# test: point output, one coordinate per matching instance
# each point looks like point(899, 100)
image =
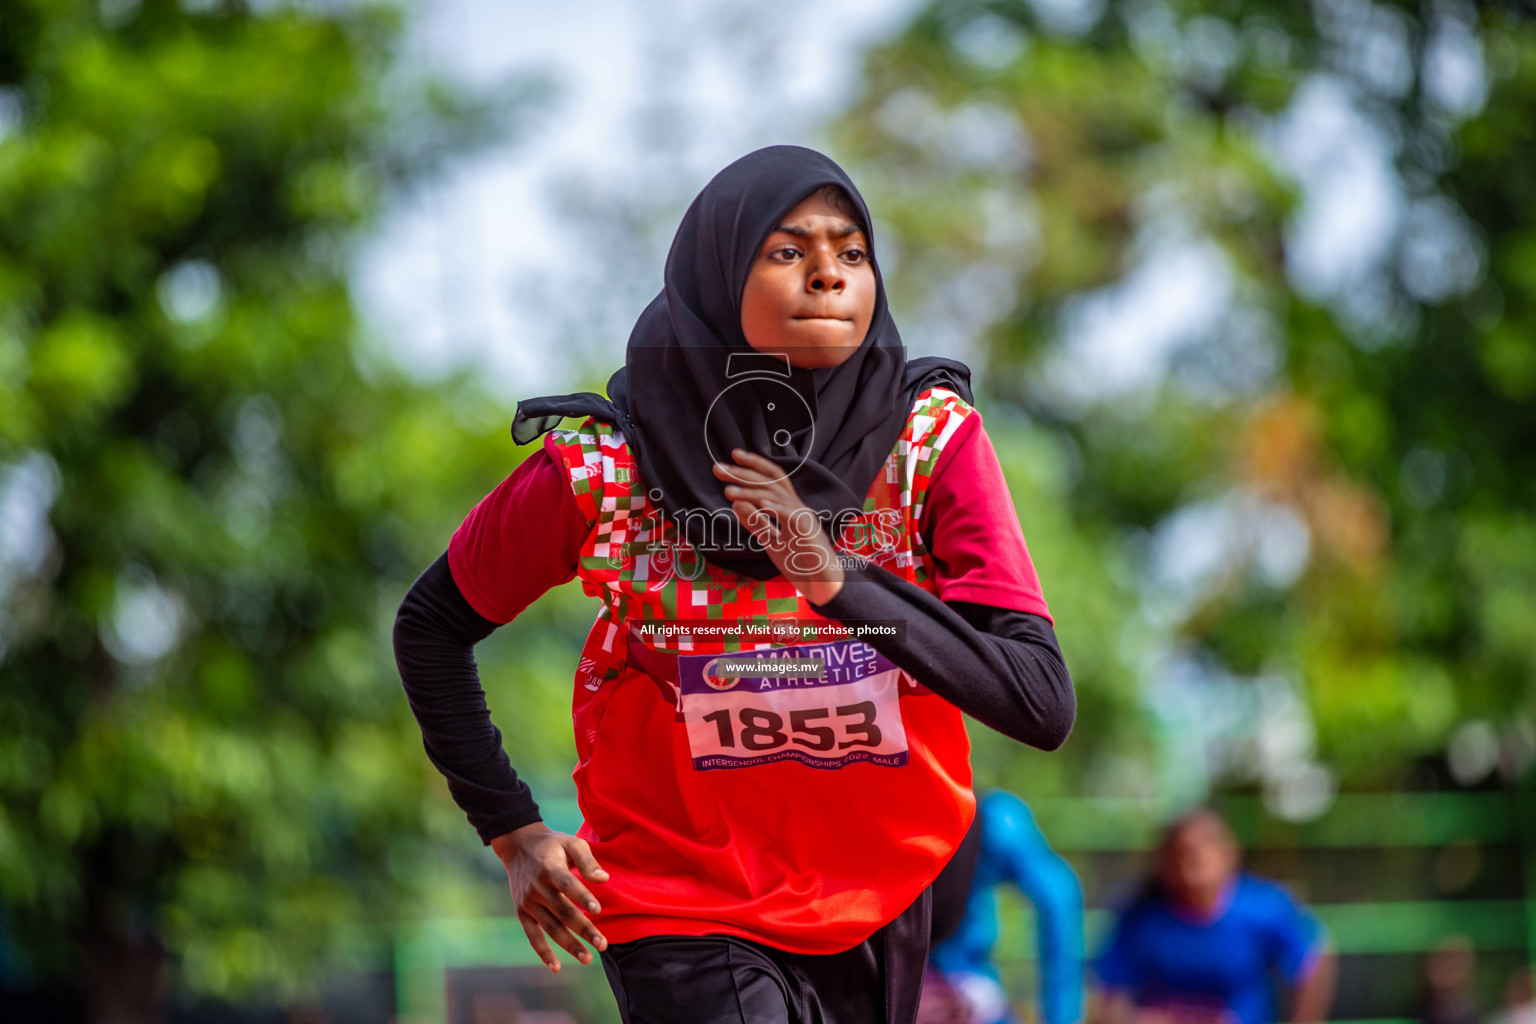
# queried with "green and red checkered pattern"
point(635, 560)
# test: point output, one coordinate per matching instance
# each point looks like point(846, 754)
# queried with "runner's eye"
point(784, 253)
point(855, 255)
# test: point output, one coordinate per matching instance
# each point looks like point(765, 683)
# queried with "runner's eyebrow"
point(799, 232)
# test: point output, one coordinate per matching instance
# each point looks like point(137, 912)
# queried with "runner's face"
point(811, 293)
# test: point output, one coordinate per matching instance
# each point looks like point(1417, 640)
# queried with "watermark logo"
point(667, 563)
point(762, 379)
point(718, 682)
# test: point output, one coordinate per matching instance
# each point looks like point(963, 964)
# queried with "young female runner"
point(759, 840)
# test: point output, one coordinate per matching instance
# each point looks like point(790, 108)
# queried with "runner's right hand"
point(548, 894)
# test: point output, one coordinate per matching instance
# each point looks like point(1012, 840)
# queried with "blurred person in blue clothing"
point(1202, 941)
point(962, 985)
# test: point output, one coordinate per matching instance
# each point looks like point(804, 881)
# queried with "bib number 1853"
point(761, 729)
point(850, 713)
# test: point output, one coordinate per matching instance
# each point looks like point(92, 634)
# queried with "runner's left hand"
point(789, 530)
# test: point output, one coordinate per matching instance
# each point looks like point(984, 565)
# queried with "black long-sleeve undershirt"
point(435, 634)
point(1003, 667)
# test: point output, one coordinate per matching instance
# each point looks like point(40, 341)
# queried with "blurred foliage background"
point(213, 498)
point(1356, 453)
point(1288, 540)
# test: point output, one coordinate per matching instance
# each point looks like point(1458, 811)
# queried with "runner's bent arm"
point(435, 634)
point(986, 643)
point(450, 608)
point(999, 666)
point(523, 539)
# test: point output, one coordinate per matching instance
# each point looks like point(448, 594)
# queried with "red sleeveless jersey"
point(804, 813)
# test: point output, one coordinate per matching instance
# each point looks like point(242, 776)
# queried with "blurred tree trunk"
point(127, 964)
point(129, 976)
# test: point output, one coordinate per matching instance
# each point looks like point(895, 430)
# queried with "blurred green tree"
point(1350, 448)
point(212, 496)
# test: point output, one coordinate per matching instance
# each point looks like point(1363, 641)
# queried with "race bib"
point(825, 705)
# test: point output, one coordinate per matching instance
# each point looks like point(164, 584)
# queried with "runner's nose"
point(825, 275)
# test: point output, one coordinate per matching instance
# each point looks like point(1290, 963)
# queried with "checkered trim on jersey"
point(635, 560)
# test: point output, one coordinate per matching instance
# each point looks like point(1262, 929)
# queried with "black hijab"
point(829, 428)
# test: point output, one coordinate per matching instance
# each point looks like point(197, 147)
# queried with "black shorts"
point(720, 979)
